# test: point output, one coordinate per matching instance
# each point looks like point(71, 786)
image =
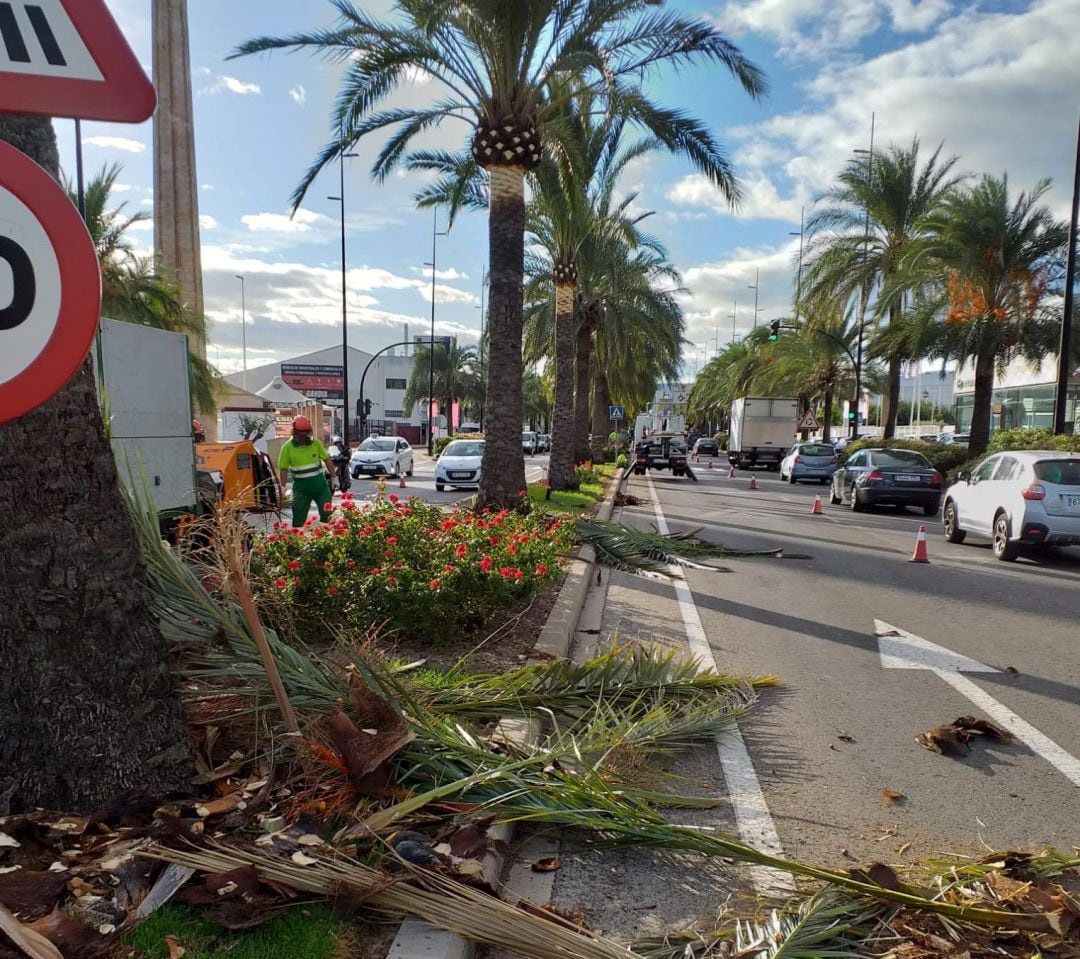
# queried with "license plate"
point(1071, 502)
point(907, 478)
point(459, 475)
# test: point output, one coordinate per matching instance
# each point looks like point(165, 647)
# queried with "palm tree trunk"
point(88, 707)
point(503, 477)
point(562, 439)
point(980, 412)
point(892, 398)
point(583, 377)
point(601, 402)
point(826, 415)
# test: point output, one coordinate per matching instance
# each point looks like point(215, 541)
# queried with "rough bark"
point(826, 426)
point(561, 473)
point(88, 706)
point(503, 477)
point(582, 380)
point(891, 400)
point(601, 402)
point(980, 412)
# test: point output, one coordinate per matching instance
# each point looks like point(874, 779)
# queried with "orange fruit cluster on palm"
point(968, 300)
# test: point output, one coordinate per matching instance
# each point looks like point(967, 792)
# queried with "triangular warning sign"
point(68, 58)
point(809, 421)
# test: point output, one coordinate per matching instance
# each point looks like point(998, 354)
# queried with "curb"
point(417, 939)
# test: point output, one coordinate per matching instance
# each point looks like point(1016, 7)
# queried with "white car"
point(1017, 498)
point(529, 442)
point(459, 464)
point(382, 456)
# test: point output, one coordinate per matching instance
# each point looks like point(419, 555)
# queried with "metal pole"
point(344, 300)
point(1064, 355)
point(798, 282)
point(864, 295)
point(757, 281)
point(431, 345)
point(80, 185)
point(734, 312)
point(243, 325)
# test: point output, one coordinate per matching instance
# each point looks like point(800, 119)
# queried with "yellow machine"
point(240, 474)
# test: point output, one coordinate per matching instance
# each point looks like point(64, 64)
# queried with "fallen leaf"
point(845, 738)
point(176, 951)
point(546, 865)
point(945, 740)
point(890, 796)
point(106, 928)
point(6, 840)
point(223, 805)
point(982, 727)
point(309, 839)
point(303, 860)
point(470, 867)
point(32, 943)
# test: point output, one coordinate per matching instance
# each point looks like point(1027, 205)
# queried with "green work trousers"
point(307, 490)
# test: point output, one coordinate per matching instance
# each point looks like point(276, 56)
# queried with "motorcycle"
point(339, 456)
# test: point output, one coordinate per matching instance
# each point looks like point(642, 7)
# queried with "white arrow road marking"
point(752, 817)
point(900, 649)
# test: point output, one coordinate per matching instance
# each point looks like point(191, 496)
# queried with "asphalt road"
point(843, 727)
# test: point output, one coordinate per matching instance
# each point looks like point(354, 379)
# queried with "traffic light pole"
point(361, 411)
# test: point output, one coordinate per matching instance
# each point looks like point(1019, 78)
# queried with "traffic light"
point(367, 407)
point(774, 331)
point(851, 416)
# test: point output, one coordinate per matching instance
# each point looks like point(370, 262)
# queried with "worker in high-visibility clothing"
point(302, 459)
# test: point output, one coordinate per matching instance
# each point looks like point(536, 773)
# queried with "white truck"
point(659, 444)
point(762, 430)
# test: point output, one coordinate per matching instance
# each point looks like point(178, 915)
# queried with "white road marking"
point(900, 649)
point(752, 816)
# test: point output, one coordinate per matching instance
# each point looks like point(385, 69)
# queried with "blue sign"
point(616, 413)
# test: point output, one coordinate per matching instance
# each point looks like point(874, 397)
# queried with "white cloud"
point(142, 226)
point(122, 187)
point(303, 221)
point(299, 94)
point(207, 222)
point(450, 274)
point(115, 143)
point(229, 84)
point(760, 201)
point(206, 186)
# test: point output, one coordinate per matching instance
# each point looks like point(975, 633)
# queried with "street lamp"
point(798, 282)
point(863, 292)
point(1065, 354)
point(757, 280)
point(734, 313)
point(344, 292)
point(435, 234)
point(243, 325)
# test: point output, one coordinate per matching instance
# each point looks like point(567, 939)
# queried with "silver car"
point(382, 456)
point(1017, 498)
point(809, 461)
point(459, 464)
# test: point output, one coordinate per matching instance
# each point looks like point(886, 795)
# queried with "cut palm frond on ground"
point(632, 550)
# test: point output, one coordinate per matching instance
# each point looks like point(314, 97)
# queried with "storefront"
point(1023, 396)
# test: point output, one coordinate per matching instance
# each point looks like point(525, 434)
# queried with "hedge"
point(943, 458)
point(1029, 439)
point(441, 442)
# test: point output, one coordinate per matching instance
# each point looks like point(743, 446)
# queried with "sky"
point(996, 82)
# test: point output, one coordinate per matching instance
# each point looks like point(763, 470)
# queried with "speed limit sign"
point(50, 286)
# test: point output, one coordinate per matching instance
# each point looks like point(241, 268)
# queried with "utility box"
point(145, 394)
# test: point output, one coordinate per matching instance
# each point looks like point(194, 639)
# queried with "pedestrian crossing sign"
point(616, 413)
point(809, 421)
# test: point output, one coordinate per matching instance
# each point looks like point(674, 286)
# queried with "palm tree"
point(491, 63)
point(536, 401)
point(456, 377)
point(986, 263)
point(857, 240)
point(134, 290)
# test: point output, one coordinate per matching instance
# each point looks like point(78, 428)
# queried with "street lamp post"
point(1065, 353)
point(435, 234)
point(864, 293)
point(757, 281)
point(342, 156)
point(243, 325)
point(798, 282)
point(734, 313)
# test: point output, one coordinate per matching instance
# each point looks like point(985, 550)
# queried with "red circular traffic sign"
point(50, 286)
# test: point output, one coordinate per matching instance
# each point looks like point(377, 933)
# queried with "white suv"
point(1017, 498)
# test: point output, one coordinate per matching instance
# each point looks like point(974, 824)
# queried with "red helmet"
point(302, 423)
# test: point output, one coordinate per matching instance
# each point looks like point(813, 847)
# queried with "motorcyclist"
point(339, 456)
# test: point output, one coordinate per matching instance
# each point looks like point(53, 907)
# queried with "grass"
point(575, 502)
point(311, 931)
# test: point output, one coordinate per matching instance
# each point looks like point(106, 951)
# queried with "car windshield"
point(528, 437)
point(464, 448)
point(382, 445)
point(1059, 472)
point(817, 449)
point(710, 444)
point(905, 459)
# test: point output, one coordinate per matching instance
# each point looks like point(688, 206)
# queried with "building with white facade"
point(1023, 395)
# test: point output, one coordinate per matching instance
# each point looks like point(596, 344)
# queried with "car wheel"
point(833, 498)
point(356, 474)
point(409, 471)
point(1004, 549)
point(397, 470)
point(857, 505)
point(791, 479)
point(440, 487)
point(953, 532)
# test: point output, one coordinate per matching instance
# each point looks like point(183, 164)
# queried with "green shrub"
point(1029, 439)
point(721, 439)
point(408, 566)
point(441, 442)
point(587, 474)
point(944, 459)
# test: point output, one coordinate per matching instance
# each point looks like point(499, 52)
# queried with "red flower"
point(448, 568)
point(381, 524)
point(486, 564)
point(317, 533)
point(434, 584)
point(351, 564)
point(505, 572)
point(462, 549)
point(296, 582)
point(391, 581)
point(516, 573)
point(332, 590)
point(294, 564)
point(327, 507)
point(541, 570)
point(280, 582)
point(272, 538)
point(512, 549)
point(390, 540)
point(494, 540)
point(448, 525)
point(394, 498)
point(375, 570)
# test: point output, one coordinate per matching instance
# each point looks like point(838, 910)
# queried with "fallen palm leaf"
point(890, 796)
point(26, 939)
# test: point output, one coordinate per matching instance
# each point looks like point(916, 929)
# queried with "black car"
point(706, 447)
point(887, 477)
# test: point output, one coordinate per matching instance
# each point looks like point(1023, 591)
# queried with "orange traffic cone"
point(753, 481)
point(401, 481)
point(817, 510)
point(731, 471)
point(920, 555)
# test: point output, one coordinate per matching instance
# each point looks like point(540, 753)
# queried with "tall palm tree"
point(987, 262)
point(491, 62)
point(456, 378)
point(536, 401)
point(871, 217)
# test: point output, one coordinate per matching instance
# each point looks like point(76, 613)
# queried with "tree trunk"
point(601, 402)
point(980, 411)
point(88, 707)
point(892, 397)
point(561, 475)
point(502, 481)
point(826, 415)
point(583, 377)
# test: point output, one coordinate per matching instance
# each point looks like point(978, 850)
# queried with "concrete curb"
point(417, 939)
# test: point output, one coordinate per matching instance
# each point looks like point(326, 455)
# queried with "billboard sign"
point(315, 381)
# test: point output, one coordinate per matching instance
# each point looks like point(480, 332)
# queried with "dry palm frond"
point(439, 900)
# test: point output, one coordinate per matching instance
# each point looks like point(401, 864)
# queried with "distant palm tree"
point(134, 290)
point(536, 402)
point(491, 62)
point(987, 263)
point(870, 218)
point(456, 378)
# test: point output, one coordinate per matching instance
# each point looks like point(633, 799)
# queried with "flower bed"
point(409, 566)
